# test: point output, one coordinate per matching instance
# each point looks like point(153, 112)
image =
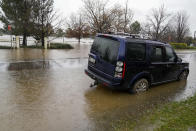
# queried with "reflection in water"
point(48, 64)
point(25, 54)
point(28, 65)
point(43, 99)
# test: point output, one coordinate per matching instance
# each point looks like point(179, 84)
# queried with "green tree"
point(135, 28)
point(16, 13)
point(43, 18)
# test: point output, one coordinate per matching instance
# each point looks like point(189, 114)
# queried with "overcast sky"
point(140, 7)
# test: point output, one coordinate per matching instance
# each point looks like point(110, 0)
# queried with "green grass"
point(5, 47)
point(175, 116)
point(32, 46)
point(181, 46)
point(60, 46)
point(52, 46)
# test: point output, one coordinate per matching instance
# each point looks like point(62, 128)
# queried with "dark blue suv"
point(134, 64)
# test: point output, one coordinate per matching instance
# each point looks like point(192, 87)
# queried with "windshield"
point(107, 48)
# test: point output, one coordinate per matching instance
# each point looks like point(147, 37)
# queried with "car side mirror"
point(178, 59)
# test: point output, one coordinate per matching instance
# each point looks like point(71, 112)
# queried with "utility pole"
point(195, 35)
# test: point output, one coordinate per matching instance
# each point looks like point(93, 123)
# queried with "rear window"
point(136, 52)
point(107, 48)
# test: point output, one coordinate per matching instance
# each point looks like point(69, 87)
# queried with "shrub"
point(52, 46)
point(179, 45)
point(5, 47)
point(60, 46)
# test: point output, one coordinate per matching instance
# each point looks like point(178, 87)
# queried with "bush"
point(179, 45)
point(52, 46)
point(60, 46)
point(5, 47)
point(32, 46)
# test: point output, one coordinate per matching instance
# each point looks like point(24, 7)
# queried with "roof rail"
point(136, 36)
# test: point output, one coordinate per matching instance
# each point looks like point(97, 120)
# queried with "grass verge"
point(181, 46)
point(5, 47)
point(175, 116)
point(60, 46)
point(52, 46)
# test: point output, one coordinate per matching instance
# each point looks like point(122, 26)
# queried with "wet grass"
point(191, 48)
point(175, 116)
point(5, 47)
point(52, 46)
point(60, 46)
point(181, 46)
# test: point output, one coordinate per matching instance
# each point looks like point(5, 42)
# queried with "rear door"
point(135, 59)
point(105, 50)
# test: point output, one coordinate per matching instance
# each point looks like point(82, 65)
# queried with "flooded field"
point(47, 90)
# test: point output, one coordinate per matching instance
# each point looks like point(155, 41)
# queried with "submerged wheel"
point(141, 85)
point(183, 76)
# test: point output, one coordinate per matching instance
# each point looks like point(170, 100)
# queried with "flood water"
point(47, 90)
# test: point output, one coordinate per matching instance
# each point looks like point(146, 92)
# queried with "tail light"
point(120, 70)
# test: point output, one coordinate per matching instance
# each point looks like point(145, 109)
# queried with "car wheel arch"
point(141, 75)
point(185, 69)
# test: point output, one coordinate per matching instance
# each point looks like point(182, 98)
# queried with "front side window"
point(170, 57)
point(156, 54)
point(136, 52)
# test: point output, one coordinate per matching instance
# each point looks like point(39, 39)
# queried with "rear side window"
point(136, 52)
point(156, 54)
point(106, 48)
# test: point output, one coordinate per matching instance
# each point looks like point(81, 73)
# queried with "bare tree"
point(169, 34)
point(181, 25)
point(122, 18)
point(99, 16)
point(118, 22)
point(158, 22)
point(77, 27)
point(128, 16)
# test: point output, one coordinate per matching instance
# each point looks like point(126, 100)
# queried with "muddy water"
point(48, 91)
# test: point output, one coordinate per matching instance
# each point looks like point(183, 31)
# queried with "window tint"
point(106, 48)
point(136, 52)
point(170, 57)
point(156, 54)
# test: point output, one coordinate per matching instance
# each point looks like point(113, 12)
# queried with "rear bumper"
point(108, 83)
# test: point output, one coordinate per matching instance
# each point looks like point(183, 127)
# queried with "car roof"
point(133, 40)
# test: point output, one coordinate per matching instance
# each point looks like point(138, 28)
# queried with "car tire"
point(139, 86)
point(183, 76)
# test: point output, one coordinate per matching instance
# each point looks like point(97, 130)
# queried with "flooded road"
point(48, 91)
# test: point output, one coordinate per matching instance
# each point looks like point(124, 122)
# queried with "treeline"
point(99, 16)
point(37, 18)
